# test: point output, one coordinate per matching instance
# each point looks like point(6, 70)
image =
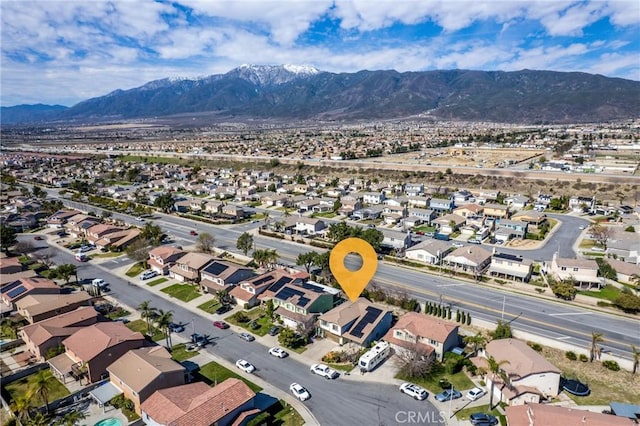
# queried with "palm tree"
point(222, 296)
point(72, 418)
point(478, 341)
point(495, 368)
point(595, 350)
point(265, 257)
point(21, 405)
point(266, 219)
point(163, 321)
point(636, 358)
point(146, 312)
point(38, 420)
point(41, 384)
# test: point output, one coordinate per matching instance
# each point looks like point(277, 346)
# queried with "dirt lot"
point(606, 385)
point(467, 157)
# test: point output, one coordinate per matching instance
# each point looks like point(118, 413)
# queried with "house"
point(469, 210)
point(59, 218)
point(233, 211)
point(625, 246)
point(510, 266)
point(220, 275)
point(581, 204)
point(372, 213)
point(532, 217)
point(310, 226)
point(441, 205)
point(583, 271)
point(213, 207)
point(517, 202)
point(531, 377)
point(299, 305)
point(462, 197)
point(361, 322)
point(77, 225)
point(12, 292)
point(10, 265)
point(624, 270)
point(373, 197)
point(532, 414)
point(118, 240)
point(395, 240)
point(188, 267)
point(100, 231)
point(428, 336)
point(38, 307)
point(413, 189)
point(90, 350)
point(230, 402)
point(418, 202)
point(496, 211)
point(162, 258)
point(247, 292)
point(449, 223)
point(425, 215)
point(507, 229)
point(429, 251)
point(140, 372)
point(49, 334)
point(473, 260)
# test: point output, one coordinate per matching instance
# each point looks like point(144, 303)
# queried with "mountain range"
point(302, 93)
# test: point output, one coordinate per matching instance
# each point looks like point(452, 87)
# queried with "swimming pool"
point(111, 421)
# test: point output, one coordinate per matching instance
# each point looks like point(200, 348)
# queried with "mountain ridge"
point(301, 93)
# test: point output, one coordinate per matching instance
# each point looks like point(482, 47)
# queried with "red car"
point(38, 238)
point(193, 233)
point(221, 325)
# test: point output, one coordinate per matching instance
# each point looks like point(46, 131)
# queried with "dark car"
point(199, 339)
point(221, 325)
point(274, 330)
point(175, 328)
point(223, 309)
point(38, 238)
point(448, 394)
point(482, 419)
point(193, 232)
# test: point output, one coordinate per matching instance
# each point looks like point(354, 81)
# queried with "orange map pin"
point(353, 282)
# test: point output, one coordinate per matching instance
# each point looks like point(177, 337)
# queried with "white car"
point(299, 392)
point(457, 244)
point(278, 352)
point(475, 393)
point(324, 371)
point(245, 366)
point(414, 391)
point(148, 274)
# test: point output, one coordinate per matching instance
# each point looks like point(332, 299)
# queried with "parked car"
point(148, 274)
point(448, 394)
point(81, 257)
point(278, 352)
point(299, 391)
point(246, 336)
point(175, 328)
point(199, 339)
point(84, 249)
point(223, 309)
point(475, 393)
point(274, 330)
point(457, 244)
point(482, 419)
point(192, 232)
point(245, 366)
point(38, 238)
point(99, 282)
point(414, 391)
point(324, 371)
point(221, 325)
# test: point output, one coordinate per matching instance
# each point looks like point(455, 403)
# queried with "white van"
point(99, 282)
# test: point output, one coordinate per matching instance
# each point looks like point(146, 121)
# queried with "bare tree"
point(204, 243)
point(416, 361)
point(44, 258)
point(24, 247)
point(601, 234)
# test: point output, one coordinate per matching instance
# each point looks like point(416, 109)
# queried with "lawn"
point(607, 292)
point(341, 367)
point(104, 255)
point(256, 315)
point(215, 373)
point(21, 387)
point(118, 313)
point(466, 412)
point(158, 281)
point(184, 292)
point(281, 414)
point(210, 306)
point(135, 270)
point(179, 352)
point(424, 229)
point(140, 325)
point(327, 215)
point(459, 380)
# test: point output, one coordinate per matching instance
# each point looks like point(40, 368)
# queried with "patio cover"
point(103, 393)
point(61, 364)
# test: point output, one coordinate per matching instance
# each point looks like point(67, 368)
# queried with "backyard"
point(25, 385)
point(184, 292)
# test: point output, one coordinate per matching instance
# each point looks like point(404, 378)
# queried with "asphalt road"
point(558, 320)
point(333, 402)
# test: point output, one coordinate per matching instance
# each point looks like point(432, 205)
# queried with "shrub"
point(611, 365)
point(535, 346)
point(241, 317)
point(571, 355)
point(584, 358)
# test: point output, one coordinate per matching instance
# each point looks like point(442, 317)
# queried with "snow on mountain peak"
point(273, 74)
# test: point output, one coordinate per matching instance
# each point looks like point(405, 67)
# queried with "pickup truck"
point(324, 371)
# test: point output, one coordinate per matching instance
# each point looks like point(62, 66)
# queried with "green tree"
point(270, 309)
point(39, 192)
point(152, 232)
point(606, 270)
point(7, 237)
point(72, 418)
point(287, 338)
point(21, 405)
point(138, 250)
point(265, 257)
point(306, 259)
point(204, 242)
point(564, 289)
point(41, 384)
point(39, 420)
point(636, 358)
point(477, 341)
point(373, 237)
point(163, 320)
point(245, 242)
point(594, 349)
point(66, 271)
point(495, 368)
point(628, 302)
point(338, 231)
point(147, 312)
point(165, 202)
point(502, 331)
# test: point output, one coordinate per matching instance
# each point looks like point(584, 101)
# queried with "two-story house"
point(220, 275)
point(583, 271)
point(19, 289)
point(247, 292)
point(426, 336)
point(473, 260)
point(413, 189)
point(506, 229)
point(299, 305)
point(310, 226)
point(373, 197)
point(162, 258)
point(140, 372)
point(429, 251)
point(441, 205)
point(59, 218)
point(188, 267)
point(395, 240)
point(496, 211)
point(510, 266)
point(420, 215)
point(361, 322)
point(38, 307)
point(469, 210)
point(77, 225)
point(449, 223)
point(372, 212)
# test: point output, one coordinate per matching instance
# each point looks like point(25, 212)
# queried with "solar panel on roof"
point(216, 268)
point(16, 292)
point(279, 284)
point(368, 318)
point(312, 287)
point(10, 287)
point(508, 256)
point(288, 292)
point(303, 301)
point(262, 280)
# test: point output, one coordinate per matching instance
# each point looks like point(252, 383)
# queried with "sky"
point(63, 52)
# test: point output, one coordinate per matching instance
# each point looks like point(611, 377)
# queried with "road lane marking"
point(564, 338)
point(563, 314)
point(451, 285)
